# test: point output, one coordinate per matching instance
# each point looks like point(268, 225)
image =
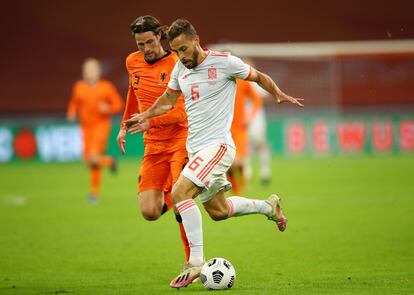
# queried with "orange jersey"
point(94, 104)
point(147, 82)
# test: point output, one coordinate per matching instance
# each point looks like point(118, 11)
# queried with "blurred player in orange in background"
point(245, 93)
point(165, 154)
point(93, 101)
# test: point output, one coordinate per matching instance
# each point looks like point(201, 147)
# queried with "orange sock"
point(95, 180)
point(184, 239)
point(186, 246)
point(105, 161)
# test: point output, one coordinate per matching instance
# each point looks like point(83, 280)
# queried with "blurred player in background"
point(208, 81)
point(165, 154)
point(245, 93)
point(93, 102)
point(258, 144)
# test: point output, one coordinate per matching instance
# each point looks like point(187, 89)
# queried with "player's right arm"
point(162, 105)
point(131, 107)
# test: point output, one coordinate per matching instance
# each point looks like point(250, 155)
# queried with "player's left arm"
point(162, 105)
point(174, 116)
point(115, 101)
point(270, 86)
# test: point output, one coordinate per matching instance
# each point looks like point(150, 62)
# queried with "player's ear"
point(159, 35)
point(197, 39)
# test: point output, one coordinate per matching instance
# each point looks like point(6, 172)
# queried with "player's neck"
point(161, 53)
point(202, 55)
point(91, 82)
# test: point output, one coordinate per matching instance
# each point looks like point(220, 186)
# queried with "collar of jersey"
point(165, 55)
point(208, 53)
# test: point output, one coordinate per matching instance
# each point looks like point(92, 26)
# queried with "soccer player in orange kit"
point(93, 101)
point(165, 154)
point(239, 131)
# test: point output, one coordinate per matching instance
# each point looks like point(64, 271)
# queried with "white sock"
point(239, 206)
point(192, 222)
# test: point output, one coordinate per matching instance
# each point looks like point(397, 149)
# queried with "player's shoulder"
point(106, 83)
point(134, 59)
point(222, 57)
point(220, 53)
point(78, 85)
point(136, 55)
point(167, 62)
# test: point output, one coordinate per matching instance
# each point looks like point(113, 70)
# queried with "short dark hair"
point(181, 26)
point(148, 23)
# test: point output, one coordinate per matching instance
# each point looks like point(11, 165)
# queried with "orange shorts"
point(240, 138)
point(162, 164)
point(95, 139)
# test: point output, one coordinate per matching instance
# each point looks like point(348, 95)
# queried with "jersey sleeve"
point(173, 84)
point(115, 99)
point(238, 69)
point(131, 105)
point(73, 102)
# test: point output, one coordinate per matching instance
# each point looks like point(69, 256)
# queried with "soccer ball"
point(218, 274)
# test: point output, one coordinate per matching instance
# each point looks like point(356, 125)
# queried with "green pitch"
point(351, 231)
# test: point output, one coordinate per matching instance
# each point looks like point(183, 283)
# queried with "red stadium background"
point(45, 42)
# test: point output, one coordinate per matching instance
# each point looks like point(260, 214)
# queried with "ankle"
point(196, 261)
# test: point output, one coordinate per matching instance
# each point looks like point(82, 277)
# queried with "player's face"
point(149, 44)
point(186, 49)
point(91, 71)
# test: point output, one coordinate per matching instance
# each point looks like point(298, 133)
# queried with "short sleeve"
point(238, 69)
point(173, 84)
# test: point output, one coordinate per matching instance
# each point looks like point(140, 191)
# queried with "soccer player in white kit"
point(208, 81)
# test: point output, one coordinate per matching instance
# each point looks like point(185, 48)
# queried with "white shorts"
point(207, 169)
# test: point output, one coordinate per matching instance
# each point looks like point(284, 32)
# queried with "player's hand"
point(104, 107)
point(139, 127)
point(135, 118)
point(71, 117)
point(282, 97)
point(120, 139)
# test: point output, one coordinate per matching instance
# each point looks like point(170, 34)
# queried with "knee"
point(218, 215)
point(150, 214)
point(93, 161)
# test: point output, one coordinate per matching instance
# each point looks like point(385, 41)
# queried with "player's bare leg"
point(183, 192)
point(218, 207)
point(151, 204)
point(95, 172)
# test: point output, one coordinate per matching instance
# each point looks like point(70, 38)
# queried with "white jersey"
point(209, 90)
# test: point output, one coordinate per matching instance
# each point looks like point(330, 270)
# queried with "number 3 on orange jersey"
point(195, 94)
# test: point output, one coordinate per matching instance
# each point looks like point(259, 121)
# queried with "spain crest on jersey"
point(212, 73)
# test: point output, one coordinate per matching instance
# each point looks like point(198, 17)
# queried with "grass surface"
point(350, 231)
